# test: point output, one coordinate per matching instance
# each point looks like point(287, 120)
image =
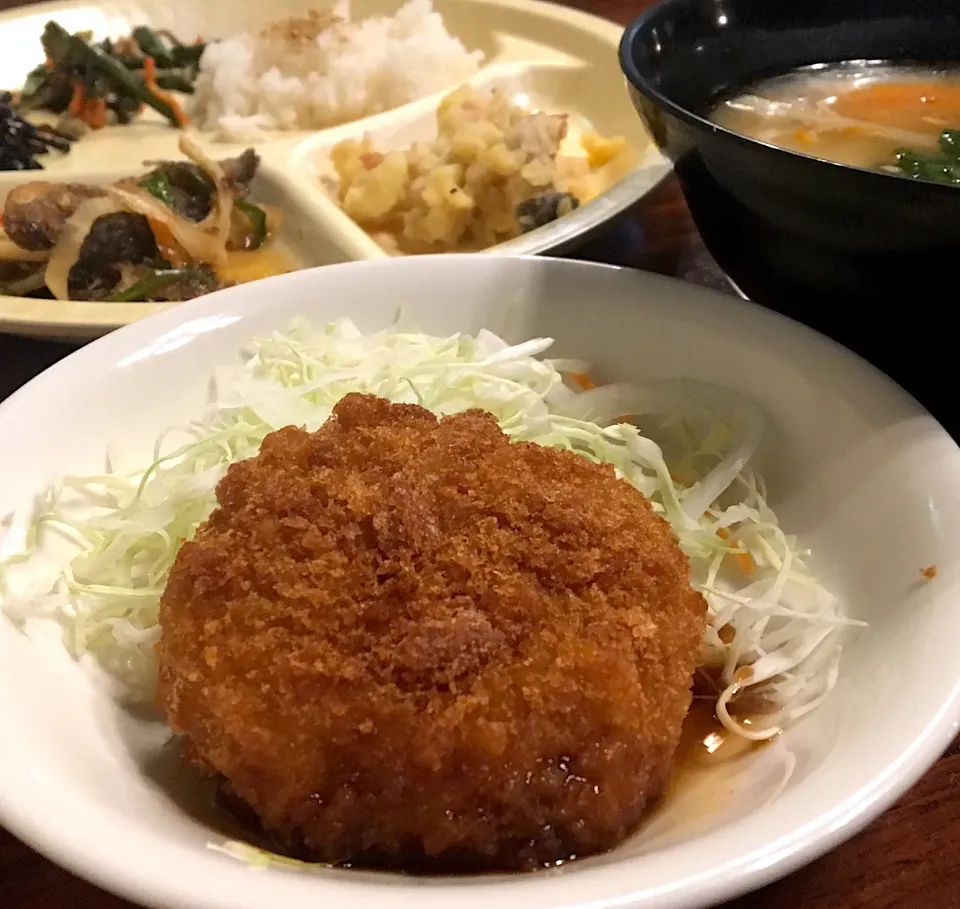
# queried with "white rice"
point(254, 83)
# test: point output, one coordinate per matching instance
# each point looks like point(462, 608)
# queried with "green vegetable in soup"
point(937, 168)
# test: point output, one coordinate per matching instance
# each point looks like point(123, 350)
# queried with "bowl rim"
point(873, 796)
point(635, 78)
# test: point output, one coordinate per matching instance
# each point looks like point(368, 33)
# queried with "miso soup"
point(902, 119)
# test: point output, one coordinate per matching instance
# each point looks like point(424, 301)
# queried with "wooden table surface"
point(908, 859)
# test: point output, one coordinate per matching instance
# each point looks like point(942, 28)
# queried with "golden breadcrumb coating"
point(404, 641)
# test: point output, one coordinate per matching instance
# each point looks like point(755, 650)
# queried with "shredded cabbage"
point(772, 627)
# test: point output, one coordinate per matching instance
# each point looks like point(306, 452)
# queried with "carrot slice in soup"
point(922, 107)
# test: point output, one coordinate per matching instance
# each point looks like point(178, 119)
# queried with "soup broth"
point(903, 119)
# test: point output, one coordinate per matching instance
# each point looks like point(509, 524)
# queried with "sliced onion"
point(239, 230)
point(274, 218)
point(66, 251)
point(221, 208)
point(26, 284)
point(200, 245)
point(10, 252)
point(204, 242)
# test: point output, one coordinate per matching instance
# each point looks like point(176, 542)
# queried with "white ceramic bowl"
point(854, 466)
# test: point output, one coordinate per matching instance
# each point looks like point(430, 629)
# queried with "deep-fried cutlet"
point(407, 641)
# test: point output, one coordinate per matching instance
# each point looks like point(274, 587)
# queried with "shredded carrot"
point(167, 244)
point(92, 111)
point(921, 107)
point(585, 382)
point(77, 99)
point(930, 572)
point(744, 559)
point(745, 562)
point(150, 81)
point(95, 113)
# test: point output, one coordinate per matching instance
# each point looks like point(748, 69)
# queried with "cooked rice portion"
point(323, 69)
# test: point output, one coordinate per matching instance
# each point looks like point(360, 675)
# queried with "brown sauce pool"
point(705, 745)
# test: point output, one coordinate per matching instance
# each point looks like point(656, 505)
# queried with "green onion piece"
point(129, 62)
point(174, 81)
point(170, 36)
point(950, 143)
point(125, 81)
point(56, 43)
point(152, 46)
point(146, 287)
point(159, 187)
point(187, 54)
point(257, 217)
point(34, 84)
point(157, 280)
point(932, 168)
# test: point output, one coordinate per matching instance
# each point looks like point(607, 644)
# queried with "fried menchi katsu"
point(406, 642)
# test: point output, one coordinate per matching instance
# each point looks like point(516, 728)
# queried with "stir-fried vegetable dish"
point(110, 81)
point(168, 235)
